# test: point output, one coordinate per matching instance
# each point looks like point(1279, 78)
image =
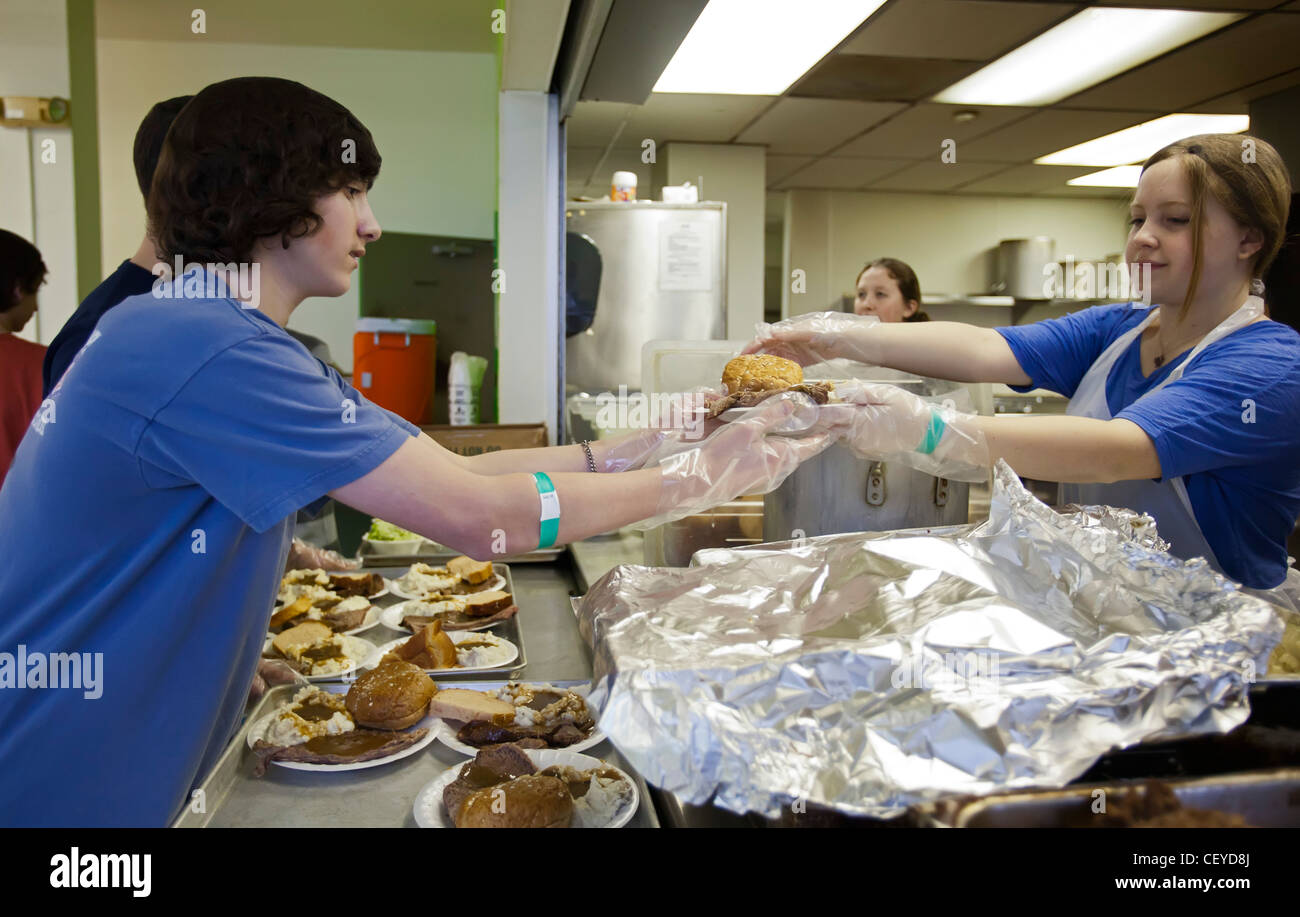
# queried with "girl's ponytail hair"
point(1247, 176)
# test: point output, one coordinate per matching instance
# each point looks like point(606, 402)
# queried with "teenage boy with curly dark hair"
point(148, 516)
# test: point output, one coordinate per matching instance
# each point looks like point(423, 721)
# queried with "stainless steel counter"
point(383, 796)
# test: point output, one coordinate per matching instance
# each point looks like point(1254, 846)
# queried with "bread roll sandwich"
point(532, 801)
point(752, 378)
point(394, 695)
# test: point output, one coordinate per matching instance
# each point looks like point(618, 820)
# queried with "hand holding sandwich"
point(738, 458)
point(818, 336)
point(883, 422)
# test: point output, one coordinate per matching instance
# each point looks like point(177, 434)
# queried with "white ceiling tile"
point(1238, 102)
point(972, 30)
point(1253, 50)
point(1193, 4)
point(919, 131)
point(841, 172)
point(934, 176)
point(1046, 132)
point(814, 126)
point(778, 167)
point(698, 118)
point(1028, 180)
point(594, 123)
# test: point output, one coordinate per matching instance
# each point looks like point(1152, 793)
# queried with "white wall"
point(433, 116)
point(945, 238)
point(36, 197)
point(738, 176)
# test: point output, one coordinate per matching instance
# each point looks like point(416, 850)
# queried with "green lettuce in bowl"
point(386, 538)
point(386, 531)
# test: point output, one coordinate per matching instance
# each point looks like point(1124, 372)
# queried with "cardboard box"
point(476, 439)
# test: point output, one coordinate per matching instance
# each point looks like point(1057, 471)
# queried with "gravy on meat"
point(348, 743)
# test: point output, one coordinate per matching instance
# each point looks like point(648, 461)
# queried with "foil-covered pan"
point(871, 672)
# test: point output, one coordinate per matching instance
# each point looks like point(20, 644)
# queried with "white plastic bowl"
point(405, 546)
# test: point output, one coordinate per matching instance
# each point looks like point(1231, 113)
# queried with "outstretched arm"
point(942, 350)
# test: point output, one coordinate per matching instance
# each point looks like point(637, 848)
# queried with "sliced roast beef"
point(266, 752)
point(345, 620)
point(820, 392)
point(489, 767)
point(457, 620)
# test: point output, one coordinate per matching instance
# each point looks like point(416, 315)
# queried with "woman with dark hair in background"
point(22, 271)
point(888, 289)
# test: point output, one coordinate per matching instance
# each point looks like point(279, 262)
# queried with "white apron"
point(1166, 501)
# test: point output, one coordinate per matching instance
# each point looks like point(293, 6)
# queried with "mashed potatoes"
point(426, 580)
point(288, 728)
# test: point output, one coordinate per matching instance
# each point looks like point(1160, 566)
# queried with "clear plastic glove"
point(884, 423)
point(676, 424)
point(303, 556)
point(816, 337)
point(738, 458)
point(272, 672)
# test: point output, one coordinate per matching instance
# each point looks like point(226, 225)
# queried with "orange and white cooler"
point(394, 364)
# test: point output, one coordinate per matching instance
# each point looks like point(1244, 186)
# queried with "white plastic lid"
point(398, 325)
point(625, 178)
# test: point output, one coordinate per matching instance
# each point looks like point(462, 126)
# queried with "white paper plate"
point(497, 582)
point(457, 637)
point(384, 590)
point(447, 735)
point(791, 428)
point(363, 653)
point(258, 730)
point(430, 813)
point(374, 617)
point(393, 616)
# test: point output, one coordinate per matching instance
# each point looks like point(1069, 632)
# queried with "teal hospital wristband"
point(933, 434)
point(550, 519)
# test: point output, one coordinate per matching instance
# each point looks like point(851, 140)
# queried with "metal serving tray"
point(1266, 799)
point(377, 797)
point(439, 555)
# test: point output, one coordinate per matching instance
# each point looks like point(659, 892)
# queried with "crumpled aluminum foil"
point(870, 672)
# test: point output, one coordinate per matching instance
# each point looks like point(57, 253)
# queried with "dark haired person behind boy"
point(133, 276)
point(22, 271)
point(191, 430)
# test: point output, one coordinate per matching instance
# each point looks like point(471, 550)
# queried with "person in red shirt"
point(22, 271)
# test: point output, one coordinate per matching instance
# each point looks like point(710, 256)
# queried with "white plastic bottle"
point(459, 391)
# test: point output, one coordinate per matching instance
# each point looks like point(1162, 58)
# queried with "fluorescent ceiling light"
point(759, 47)
point(1135, 144)
point(1087, 48)
point(1118, 177)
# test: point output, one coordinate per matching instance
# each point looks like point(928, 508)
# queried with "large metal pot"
point(1020, 264)
point(839, 492)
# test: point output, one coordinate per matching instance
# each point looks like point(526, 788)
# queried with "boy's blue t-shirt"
point(128, 280)
point(1230, 426)
point(146, 522)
